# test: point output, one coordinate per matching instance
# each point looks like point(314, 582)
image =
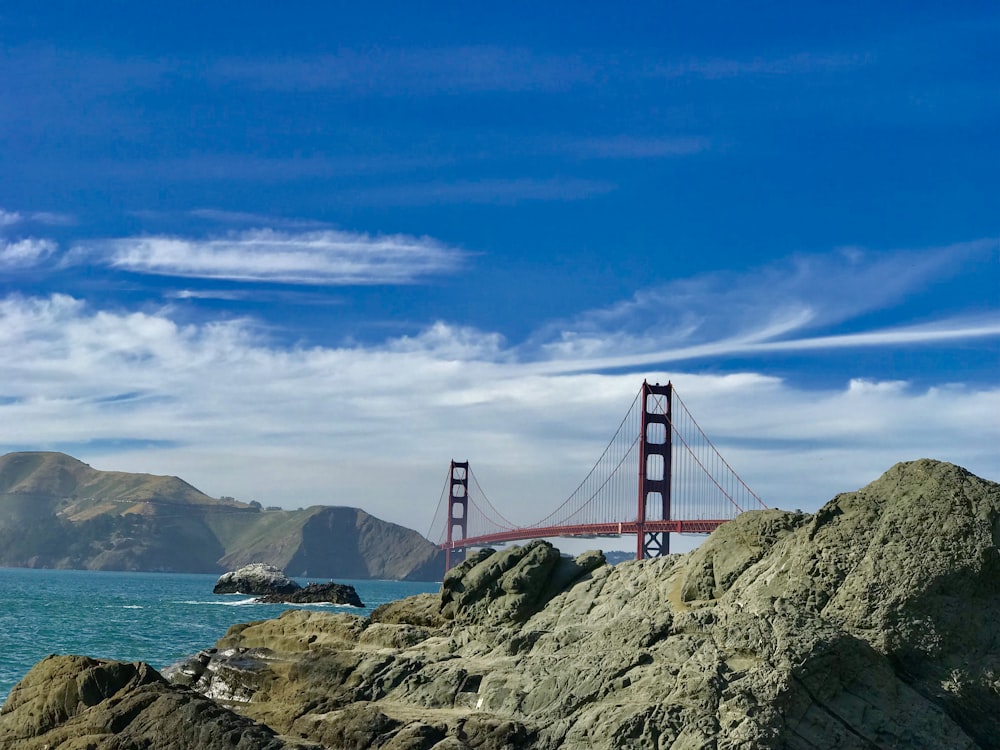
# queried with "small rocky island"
point(869, 624)
point(273, 586)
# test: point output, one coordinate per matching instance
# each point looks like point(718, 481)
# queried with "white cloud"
point(786, 306)
point(9, 218)
point(755, 343)
point(452, 342)
point(325, 257)
point(375, 426)
point(220, 294)
point(50, 218)
point(25, 253)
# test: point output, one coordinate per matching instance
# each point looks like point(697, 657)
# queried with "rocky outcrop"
point(77, 703)
point(317, 593)
point(256, 579)
point(869, 624)
point(272, 586)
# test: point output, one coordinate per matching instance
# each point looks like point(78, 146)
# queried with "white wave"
point(243, 602)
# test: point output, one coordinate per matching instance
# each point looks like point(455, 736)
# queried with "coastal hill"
point(58, 512)
point(869, 624)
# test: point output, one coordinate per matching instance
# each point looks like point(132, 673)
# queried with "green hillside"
point(58, 512)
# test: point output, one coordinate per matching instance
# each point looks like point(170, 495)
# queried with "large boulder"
point(255, 579)
point(78, 703)
point(510, 585)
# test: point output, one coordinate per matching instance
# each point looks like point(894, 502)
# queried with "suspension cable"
point(504, 522)
point(440, 508)
point(594, 468)
point(716, 451)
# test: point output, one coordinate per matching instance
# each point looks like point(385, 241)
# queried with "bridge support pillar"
point(458, 511)
point(655, 468)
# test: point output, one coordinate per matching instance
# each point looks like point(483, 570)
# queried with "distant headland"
point(58, 512)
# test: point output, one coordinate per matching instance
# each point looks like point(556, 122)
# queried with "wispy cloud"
point(938, 332)
point(786, 305)
point(49, 218)
point(325, 257)
point(278, 295)
point(220, 294)
point(25, 253)
point(796, 64)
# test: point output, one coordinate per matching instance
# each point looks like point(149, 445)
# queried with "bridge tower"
point(458, 509)
point(655, 468)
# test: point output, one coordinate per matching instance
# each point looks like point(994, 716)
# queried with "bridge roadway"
point(587, 530)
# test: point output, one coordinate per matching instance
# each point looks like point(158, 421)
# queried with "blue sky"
point(311, 254)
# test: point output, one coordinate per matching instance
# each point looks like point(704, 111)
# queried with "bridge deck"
point(584, 530)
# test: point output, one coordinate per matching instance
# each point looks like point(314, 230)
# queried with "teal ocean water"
point(153, 617)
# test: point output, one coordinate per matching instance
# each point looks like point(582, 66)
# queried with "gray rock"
point(317, 593)
point(255, 579)
point(77, 703)
point(422, 609)
point(508, 586)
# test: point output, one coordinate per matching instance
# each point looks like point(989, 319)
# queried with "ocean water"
point(158, 618)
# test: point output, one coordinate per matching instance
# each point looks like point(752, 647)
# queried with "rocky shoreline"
point(871, 623)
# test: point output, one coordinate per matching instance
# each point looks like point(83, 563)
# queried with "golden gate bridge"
point(658, 475)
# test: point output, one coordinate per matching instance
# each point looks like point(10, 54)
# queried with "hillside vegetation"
point(58, 512)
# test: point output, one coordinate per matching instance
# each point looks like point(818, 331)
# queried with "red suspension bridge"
point(659, 457)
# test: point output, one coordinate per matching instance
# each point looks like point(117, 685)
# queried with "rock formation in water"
point(317, 593)
point(272, 586)
point(871, 624)
point(255, 579)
